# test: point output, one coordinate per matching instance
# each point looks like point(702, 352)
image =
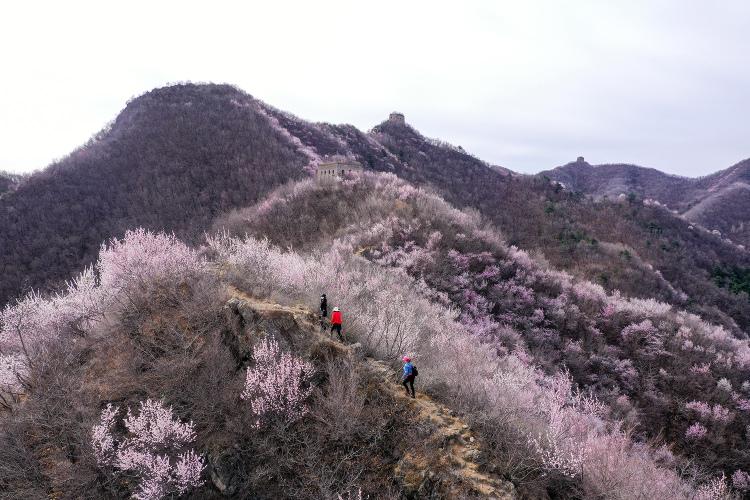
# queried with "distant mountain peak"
point(718, 201)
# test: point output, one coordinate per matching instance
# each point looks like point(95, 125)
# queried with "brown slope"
point(725, 211)
point(724, 205)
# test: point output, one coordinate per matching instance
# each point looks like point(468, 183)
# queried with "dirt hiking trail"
point(458, 448)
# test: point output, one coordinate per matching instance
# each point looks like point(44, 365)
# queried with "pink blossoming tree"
point(143, 257)
point(155, 448)
point(30, 323)
point(277, 384)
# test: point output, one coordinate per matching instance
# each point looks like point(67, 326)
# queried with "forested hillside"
point(660, 371)
point(173, 159)
point(568, 347)
point(181, 372)
point(177, 157)
point(641, 250)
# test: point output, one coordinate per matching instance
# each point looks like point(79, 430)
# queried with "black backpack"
point(414, 370)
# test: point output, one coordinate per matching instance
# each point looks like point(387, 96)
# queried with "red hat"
point(406, 359)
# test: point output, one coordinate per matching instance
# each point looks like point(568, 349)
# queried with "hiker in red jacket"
point(336, 322)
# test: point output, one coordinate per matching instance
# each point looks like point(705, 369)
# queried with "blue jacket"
point(408, 369)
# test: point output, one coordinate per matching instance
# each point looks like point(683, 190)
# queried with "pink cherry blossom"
point(150, 449)
point(277, 384)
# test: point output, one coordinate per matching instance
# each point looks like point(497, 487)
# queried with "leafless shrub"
point(340, 405)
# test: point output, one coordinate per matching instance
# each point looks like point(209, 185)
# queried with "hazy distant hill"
point(719, 201)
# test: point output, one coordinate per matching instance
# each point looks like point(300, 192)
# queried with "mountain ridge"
point(604, 340)
point(717, 201)
point(178, 157)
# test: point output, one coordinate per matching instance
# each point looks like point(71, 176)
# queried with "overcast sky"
point(528, 85)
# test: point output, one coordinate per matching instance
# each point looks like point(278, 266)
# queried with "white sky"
point(525, 84)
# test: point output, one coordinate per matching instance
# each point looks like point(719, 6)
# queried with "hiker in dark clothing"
point(410, 373)
point(336, 322)
point(323, 310)
point(323, 306)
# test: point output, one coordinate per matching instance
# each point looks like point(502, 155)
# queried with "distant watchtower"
point(580, 160)
point(397, 118)
point(337, 169)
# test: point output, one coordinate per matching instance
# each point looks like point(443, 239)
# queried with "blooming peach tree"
point(155, 448)
point(124, 266)
point(30, 323)
point(277, 385)
point(142, 257)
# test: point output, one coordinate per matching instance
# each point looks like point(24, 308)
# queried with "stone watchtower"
point(335, 169)
point(397, 118)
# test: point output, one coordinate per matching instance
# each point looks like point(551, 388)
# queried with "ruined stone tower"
point(337, 168)
point(397, 118)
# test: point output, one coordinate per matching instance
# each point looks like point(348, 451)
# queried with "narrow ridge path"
point(460, 448)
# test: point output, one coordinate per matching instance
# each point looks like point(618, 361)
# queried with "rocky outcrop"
point(252, 318)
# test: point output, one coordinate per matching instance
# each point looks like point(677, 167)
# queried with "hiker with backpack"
point(336, 322)
point(410, 373)
point(323, 310)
